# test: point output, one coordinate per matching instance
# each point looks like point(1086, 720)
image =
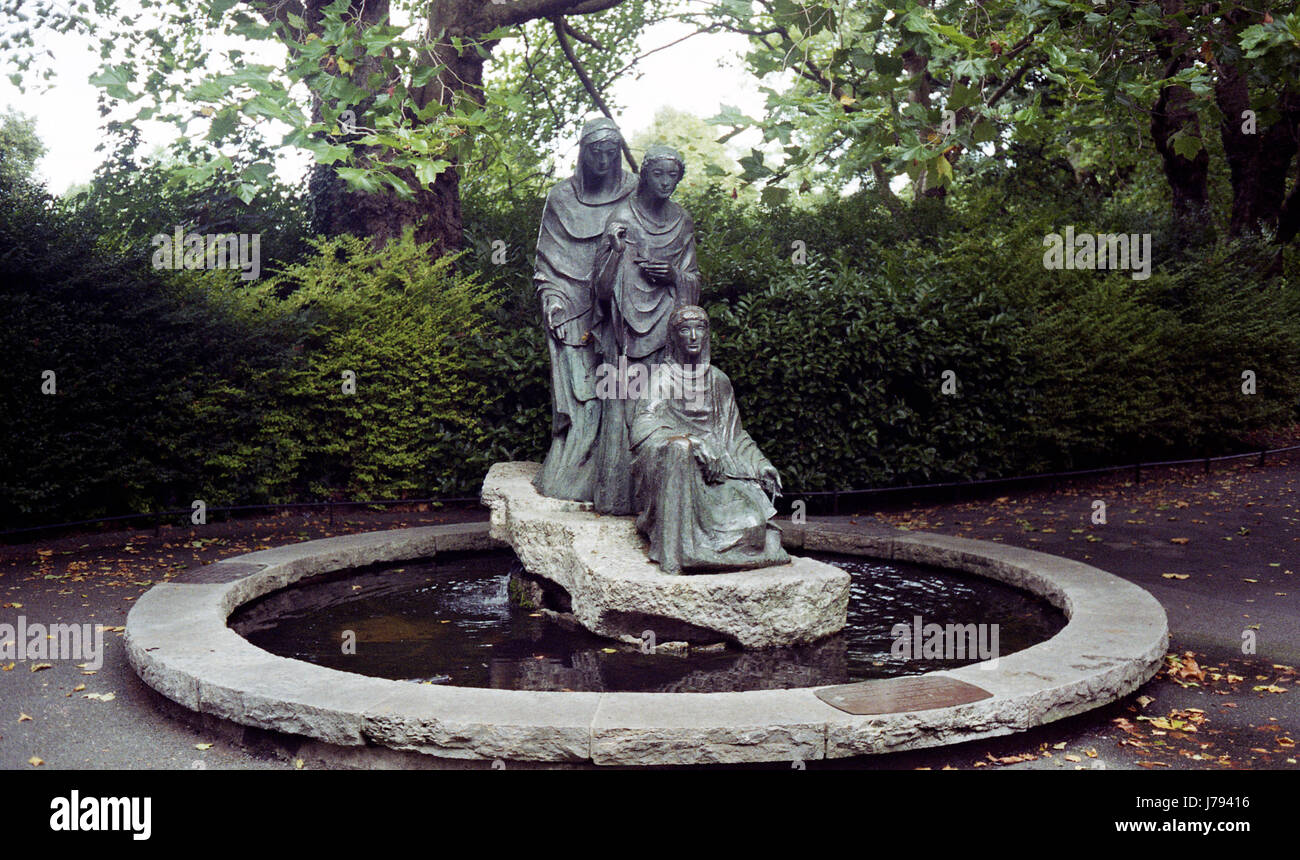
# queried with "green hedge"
point(174, 386)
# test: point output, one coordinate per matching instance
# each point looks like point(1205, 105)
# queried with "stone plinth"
point(617, 591)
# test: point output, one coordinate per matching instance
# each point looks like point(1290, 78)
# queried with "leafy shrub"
point(407, 329)
point(174, 386)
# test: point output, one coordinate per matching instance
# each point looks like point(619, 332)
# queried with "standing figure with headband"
point(645, 267)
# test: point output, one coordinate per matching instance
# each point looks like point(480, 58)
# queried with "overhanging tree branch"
point(565, 46)
point(518, 11)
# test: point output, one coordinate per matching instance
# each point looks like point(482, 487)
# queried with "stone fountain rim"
point(179, 643)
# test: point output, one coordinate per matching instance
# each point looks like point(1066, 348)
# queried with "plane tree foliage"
point(864, 92)
point(397, 101)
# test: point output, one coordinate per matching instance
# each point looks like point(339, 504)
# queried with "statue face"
point(659, 179)
point(692, 335)
point(600, 157)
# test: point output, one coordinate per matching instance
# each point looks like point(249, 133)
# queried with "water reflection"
point(452, 621)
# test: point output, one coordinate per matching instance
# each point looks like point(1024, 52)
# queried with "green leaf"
point(983, 132)
point(963, 96)
point(358, 179)
point(774, 195)
point(943, 167)
point(1185, 144)
point(217, 8)
point(114, 80)
point(427, 171)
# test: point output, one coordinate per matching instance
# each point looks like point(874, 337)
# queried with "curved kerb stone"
point(178, 642)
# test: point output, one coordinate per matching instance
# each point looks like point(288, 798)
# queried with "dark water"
point(450, 621)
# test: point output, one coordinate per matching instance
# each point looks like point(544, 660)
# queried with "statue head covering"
point(598, 129)
point(660, 152)
point(676, 351)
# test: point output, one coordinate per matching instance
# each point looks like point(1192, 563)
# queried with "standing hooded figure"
point(644, 269)
point(573, 223)
point(700, 483)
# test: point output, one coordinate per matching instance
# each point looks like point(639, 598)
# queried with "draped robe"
point(630, 318)
point(573, 222)
point(690, 523)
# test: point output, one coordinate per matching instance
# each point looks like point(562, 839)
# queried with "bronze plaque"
point(900, 695)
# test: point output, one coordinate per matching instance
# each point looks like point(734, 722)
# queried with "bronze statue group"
point(619, 286)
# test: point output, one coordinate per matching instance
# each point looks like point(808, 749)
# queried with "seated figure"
point(700, 485)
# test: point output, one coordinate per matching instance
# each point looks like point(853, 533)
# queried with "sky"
point(697, 75)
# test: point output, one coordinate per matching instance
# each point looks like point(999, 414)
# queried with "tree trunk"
point(1172, 113)
point(435, 211)
point(1259, 159)
point(1240, 148)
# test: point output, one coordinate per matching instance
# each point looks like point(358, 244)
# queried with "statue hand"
point(657, 272)
point(770, 480)
point(710, 462)
point(554, 316)
point(616, 238)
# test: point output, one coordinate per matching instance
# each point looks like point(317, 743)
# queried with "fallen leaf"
point(1176, 575)
point(35, 762)
point(203, 746)
point(36, 667)
point(1072, 757)
point(1143, 701)
point(1179, 541)
point(23, 718)
point(101, 697)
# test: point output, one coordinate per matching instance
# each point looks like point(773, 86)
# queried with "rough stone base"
point(616, 591)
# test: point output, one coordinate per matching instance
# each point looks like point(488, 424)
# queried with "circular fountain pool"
point(179, 642)
point(451, 620)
